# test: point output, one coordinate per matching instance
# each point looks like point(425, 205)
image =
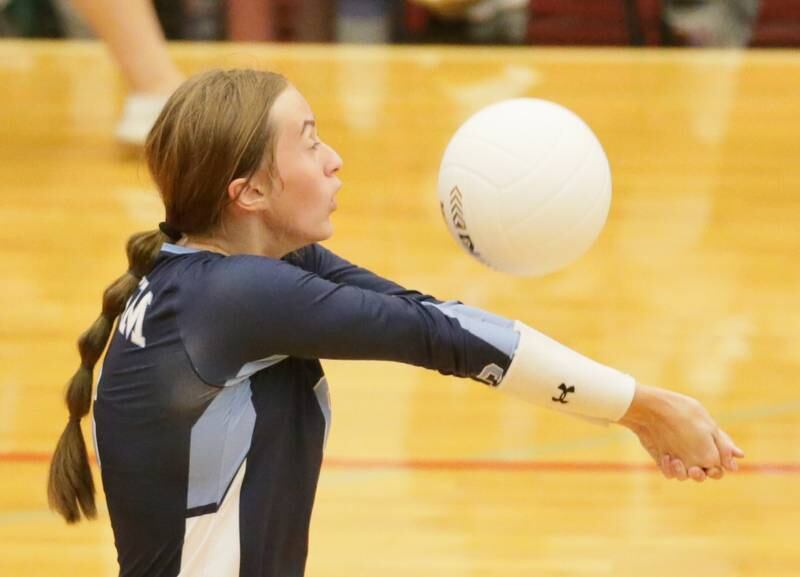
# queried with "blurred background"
point(756, 23)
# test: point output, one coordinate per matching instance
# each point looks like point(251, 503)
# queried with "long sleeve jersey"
point(212, 408)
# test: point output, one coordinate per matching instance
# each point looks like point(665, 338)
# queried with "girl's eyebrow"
point(311, 122)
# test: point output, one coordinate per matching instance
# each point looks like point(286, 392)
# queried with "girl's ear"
point(247, 194)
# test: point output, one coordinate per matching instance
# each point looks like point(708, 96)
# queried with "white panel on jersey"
point(94, 424)
point(324, 399)
point(211, 542)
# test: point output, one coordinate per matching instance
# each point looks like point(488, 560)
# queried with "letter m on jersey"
point(131, 321)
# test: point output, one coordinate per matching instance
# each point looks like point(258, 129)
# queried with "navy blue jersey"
point(212, 408)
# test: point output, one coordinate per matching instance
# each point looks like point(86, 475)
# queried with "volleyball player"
point(212, 408)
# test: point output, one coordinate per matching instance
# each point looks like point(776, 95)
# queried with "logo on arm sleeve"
point(564, 392)
point(132, 319)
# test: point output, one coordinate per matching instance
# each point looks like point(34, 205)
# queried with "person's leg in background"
point(131, 30)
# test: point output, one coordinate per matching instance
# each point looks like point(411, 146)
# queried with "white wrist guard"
point(545, 372)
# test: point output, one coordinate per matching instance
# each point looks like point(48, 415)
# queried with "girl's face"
point(303, 189)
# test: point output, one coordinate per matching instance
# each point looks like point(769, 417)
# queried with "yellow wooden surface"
point(693, 285)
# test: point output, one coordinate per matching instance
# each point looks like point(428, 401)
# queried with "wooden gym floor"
point(693, 285)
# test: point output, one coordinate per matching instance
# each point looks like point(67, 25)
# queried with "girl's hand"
point(680, 435)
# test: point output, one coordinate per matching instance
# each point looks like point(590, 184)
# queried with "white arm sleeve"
point(545, 372)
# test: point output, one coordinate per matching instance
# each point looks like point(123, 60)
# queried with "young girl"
point(212, 408)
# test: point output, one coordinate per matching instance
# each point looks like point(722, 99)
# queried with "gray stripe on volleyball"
point(495, 330)
point(219, 443)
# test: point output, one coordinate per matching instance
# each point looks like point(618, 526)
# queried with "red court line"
point(456, 465)
point(537, 466)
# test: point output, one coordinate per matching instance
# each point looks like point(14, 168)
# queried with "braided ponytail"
point(213, 129)
point(70, 488)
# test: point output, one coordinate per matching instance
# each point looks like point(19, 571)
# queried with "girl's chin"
point(324, 232)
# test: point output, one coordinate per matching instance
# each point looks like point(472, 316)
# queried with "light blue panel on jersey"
point(251, 368)
point(177, 249)
point(495, 330)
point(220, 441)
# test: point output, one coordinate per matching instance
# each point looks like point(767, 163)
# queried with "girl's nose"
point(334, 163)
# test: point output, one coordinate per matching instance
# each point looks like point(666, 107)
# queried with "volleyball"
point(525, 186)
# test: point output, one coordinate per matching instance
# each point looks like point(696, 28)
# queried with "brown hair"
point(213, 129)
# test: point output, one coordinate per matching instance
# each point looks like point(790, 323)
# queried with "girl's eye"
point(316, 144)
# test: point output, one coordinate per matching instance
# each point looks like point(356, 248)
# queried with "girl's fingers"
point(666, 466)
point(727, 450)
point(724, 447)
point(697, 474)
point(679, 469)
point(735, 450)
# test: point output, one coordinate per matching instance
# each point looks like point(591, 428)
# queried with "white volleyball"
point(525, 186)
